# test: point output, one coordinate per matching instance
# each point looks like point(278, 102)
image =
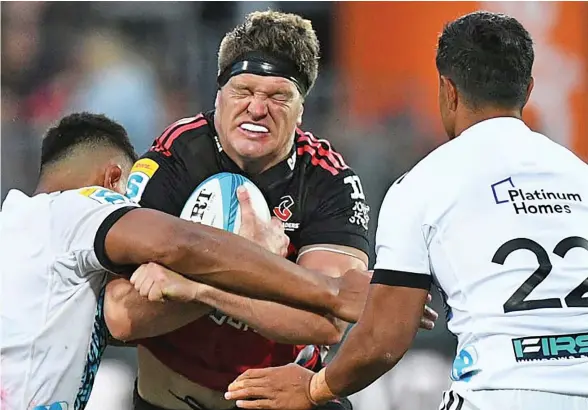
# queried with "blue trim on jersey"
point(97, 345)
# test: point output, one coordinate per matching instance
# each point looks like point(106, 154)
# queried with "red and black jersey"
point(313, 191)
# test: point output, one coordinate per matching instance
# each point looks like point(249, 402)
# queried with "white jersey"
point(498, 218)
point(52, 330)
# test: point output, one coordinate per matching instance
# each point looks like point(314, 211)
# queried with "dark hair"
point(84, 129)
point(283, 35)
point(489, 57)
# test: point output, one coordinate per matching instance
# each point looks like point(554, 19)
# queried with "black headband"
point(267, 65)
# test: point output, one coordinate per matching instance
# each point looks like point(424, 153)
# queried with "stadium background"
point(148, 64)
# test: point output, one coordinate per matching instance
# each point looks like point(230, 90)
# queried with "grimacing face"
point(256, 117)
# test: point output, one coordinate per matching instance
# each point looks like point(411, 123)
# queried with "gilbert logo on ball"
point(214, 202)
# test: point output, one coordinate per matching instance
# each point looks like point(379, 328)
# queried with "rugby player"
point(498, 218)
point(267, 65)
point(57, 245)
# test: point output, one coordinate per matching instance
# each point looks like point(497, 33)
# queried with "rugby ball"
point(214, 202)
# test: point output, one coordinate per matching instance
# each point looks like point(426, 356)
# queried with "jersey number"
point(355, 183)
point(517, 301)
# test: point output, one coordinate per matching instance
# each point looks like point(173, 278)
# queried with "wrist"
point(331, 296)
point(319, 391)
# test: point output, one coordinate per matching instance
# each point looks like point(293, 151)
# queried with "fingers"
point(247, 212)
point(256, 404)
point(429, 298)
point(282, 240)
point(138, 277)
point(245, 378)
point(145, 288)
point(156, 293)
point(277, 223)
point(248, 393)
point(428, 319)
point(142, 281)
point(426, 324)
point(430, 314)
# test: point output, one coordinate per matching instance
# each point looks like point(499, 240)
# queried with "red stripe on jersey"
point(167, 145)
point(165, 142)
point(330, 149)
point(159, 143)
point(315, 160)
point(331, 160)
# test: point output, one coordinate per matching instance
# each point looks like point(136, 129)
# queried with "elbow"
point(116, 316)
point(118, 324)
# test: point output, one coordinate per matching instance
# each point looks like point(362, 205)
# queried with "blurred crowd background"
point(147, 64)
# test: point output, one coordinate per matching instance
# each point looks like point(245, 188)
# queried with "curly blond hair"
point(280, 34)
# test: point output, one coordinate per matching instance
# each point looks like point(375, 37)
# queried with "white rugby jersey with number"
point(52, 330)
point(498, 219)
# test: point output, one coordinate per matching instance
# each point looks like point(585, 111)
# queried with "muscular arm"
point(285, 324)
point(375, 344)
point(130, 316)
point(200, 253)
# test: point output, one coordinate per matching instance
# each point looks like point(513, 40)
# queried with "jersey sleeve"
point(340, 213)
point(402, 257)
point(159, 181)
point(82, 218)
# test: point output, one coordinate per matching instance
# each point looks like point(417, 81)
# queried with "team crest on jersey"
point(283, 211)
point(141, 173)
point(103, 195)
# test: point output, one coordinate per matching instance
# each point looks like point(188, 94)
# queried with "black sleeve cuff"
point(100, 243)
point(399, 278)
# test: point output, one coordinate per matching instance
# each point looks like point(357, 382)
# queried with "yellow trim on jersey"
point(87, 191)
point(145, 166)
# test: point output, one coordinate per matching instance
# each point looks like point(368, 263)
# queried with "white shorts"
point(511, 400)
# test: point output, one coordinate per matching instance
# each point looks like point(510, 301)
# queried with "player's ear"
point(449, 90)
point(299, 119)
point(113, 178)
point(529, 89)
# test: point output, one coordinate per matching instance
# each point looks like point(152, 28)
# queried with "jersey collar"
point(496, 124)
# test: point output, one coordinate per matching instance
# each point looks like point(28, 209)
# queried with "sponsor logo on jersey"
point(554, 347)
point(535, 201)
point(221, 319)
point(141, 173)
point(103, 195)
point(283, 211)
point(360, 215)
point(465, 364)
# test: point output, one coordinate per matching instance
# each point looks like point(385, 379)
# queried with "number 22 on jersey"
point(517, 302)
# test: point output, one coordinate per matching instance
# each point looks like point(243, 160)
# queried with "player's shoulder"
point(92, 196)
point(185, 135)
point(318, 158)
point(433, 168)
point(564, 156)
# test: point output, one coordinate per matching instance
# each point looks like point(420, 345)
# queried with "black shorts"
point(140, 404)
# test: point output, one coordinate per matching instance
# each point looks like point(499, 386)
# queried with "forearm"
point(376, 343)
point(251, 271)
point(217, 258)
point(276, 322)
point(129, 316)
point(359, 362)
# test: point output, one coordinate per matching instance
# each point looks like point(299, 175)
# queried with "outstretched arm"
point(226, 261)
